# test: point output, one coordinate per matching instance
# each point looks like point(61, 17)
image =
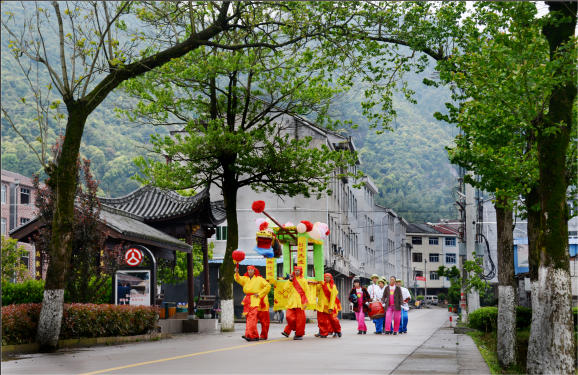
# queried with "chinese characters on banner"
point(133, 287)
point(270, 273)
point(302, 252)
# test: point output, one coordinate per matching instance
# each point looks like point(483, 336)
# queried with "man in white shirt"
point(376, 293)
point(404, 307)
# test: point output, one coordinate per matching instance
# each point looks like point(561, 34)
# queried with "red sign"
point(133, 257)
point(420, 278)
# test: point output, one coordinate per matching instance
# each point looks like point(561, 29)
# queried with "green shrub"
point(420, 298)
point(484, 319)
point(200, 313)
point(19, 322)
point(29, 291)
point(575, 313)
point(441, 297)
point(523, 317)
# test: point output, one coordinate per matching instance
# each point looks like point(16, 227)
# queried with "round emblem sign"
point(133, 257)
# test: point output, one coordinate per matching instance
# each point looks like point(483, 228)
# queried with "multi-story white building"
point(340, 211)
point(365, 244)
point(393, 258)
point(432, 247)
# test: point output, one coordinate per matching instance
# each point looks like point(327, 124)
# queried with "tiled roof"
point(130, 225)
point(152, 203)
point(446, 230)
point(420, 228)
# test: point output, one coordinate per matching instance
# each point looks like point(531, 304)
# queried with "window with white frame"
point(3, 193)
point(450, 241)
point(433, 241)
point(433, 275)
point(450, 258)
point(221, 233)
point(3, 226)
point(23, 220)
point(24, 196)
point(434, 258)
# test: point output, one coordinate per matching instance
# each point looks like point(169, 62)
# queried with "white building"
point(393, 258)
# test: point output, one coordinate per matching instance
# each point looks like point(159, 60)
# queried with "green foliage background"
point(409, 165)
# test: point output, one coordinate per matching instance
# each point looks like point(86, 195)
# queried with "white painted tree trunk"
point(559, 351)
point(506, 326)
point(50, 320)
point(227, 316)
point(535, 351)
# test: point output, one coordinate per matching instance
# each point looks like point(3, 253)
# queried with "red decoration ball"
point(263, 226)
point(258, 206)
point(327, 234)
point(308, 225)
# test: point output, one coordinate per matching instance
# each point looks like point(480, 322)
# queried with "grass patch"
point(487, 344)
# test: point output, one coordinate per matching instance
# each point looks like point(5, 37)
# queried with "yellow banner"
point(270, 270)
point(302, 253)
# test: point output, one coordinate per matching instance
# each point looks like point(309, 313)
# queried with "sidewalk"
point(445, 353)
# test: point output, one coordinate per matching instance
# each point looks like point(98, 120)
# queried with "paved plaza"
point(429, 347)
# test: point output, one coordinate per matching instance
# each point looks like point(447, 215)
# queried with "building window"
point(434, 258)
point(416, 257)
point(24, 196)
point(433, 275)
point(25, 261)
point(450, 258)
point(416, 240)
point(433, 241)
point(450, 241)
point(4, 226)
point(23, 220)
point(418, 273)
point(3, 193)
point(222, 233)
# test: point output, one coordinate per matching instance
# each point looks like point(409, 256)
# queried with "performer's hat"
point(374, 275)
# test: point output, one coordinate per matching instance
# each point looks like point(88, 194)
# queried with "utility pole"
point(470, 229)
point(425, 282)
point(414, 285)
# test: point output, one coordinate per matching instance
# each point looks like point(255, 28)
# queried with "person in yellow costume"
point(327, 307)
point(297, 288)
point(256, 289)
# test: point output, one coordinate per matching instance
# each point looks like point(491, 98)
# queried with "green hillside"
point(409, 164)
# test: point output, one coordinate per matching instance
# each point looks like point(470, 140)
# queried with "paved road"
point(228, 353)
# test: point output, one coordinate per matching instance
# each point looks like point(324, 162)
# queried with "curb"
point(80, 343)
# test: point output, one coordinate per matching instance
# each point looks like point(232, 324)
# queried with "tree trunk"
point(534, 362)
point(63, 182)
point(554, 270)
point(506, 286)
point(227, 273)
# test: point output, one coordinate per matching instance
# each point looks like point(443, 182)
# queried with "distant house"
point(18, 196)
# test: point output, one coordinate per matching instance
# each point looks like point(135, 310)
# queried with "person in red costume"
point(256, 289)
point(327, 306)
point(297, 301)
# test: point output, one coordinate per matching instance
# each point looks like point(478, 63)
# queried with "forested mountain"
point(409, 164)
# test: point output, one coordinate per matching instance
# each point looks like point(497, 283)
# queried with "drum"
point(376, 310)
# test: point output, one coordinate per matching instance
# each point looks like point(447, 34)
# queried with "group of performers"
point(394, 300)
point(256, 304)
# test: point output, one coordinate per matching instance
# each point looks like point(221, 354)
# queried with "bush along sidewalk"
point(19, 322)
point(485, 319)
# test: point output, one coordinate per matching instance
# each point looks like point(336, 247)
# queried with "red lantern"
point(238, 257)
point(308, 225)
point(258, 206)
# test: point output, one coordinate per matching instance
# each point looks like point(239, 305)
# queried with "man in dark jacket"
point(393, 299)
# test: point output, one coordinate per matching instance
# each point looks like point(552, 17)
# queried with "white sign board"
point(523, 256)
point(133, 288)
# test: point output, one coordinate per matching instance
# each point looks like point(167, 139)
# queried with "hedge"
point(29, 291)
point(19, 322)
point(486, 318)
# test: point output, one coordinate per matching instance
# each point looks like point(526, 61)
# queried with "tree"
point(237, 112)
point(178, 273)
point(97, 52)
point(92, 263)
point(509, 82)
point(12, 267)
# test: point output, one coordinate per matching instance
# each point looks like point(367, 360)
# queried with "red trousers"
point(265, 321)
point(295, 322)
point(328, 323)
point(251, 331)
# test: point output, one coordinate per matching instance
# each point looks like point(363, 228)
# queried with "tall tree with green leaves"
point(508, 81)
point(97, 52)
point(242, 126)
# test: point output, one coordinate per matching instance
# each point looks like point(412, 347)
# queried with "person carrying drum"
point(327, 306)
point(256, 289)
point(393, 299)
point(297, 301)
point(375, 291)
